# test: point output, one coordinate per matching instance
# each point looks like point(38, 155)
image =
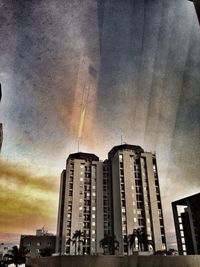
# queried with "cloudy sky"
point(93, 71)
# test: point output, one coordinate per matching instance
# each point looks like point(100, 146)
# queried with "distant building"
point(186, 214)
point(37, 242)
point(111, 197)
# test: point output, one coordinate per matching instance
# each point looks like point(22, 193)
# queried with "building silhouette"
point(186, 214)
point(110, 198)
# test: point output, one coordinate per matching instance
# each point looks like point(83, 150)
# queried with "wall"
point(116, 261)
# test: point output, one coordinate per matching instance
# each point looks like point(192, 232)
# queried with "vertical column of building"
point(191, 226)
point(60, 241)
point(70, 170)
point(139, 193)
point(119, 208)
point(87, 208)
point(154, 204)
point(146, 211)
point(99, 217)
point(129, 197)
point(107, 199)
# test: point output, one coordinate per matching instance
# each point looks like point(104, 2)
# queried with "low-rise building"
point(36, 243)
point(186, 212)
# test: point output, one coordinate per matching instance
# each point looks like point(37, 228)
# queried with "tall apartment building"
point(136, 195)
point(186, 213)
point(81, 203)
point(111, 197)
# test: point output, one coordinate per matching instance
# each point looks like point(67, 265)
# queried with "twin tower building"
point(111, 197)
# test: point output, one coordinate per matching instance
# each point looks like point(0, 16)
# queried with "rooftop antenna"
point(121, 139)
point(78, 144)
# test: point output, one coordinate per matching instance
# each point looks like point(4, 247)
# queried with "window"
point(138, 189)
point(158, 197)
point(139, 205)
point(123, 210)
point(140, 222)
point(69, 208)
point(161, 222)
point(38, 244)
point(139, 197)
point(162, 230)
point(93, 223)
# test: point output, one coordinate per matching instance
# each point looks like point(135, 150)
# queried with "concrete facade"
point(186, 214)
point(116, 261)
point(111, 197)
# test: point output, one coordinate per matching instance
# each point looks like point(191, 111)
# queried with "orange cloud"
point(27, 200)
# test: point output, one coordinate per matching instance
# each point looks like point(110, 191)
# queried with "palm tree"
point(80, 234)
point(145, 241)
point(17, 255)
point(109, 244)
point(77, 239)
point(132, 240)
point(142, 237)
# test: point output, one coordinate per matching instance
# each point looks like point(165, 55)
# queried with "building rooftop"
point(183, 201)
point(84, 156)
point(115, 149)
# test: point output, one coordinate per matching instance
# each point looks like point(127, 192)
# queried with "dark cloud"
point(147, 61)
